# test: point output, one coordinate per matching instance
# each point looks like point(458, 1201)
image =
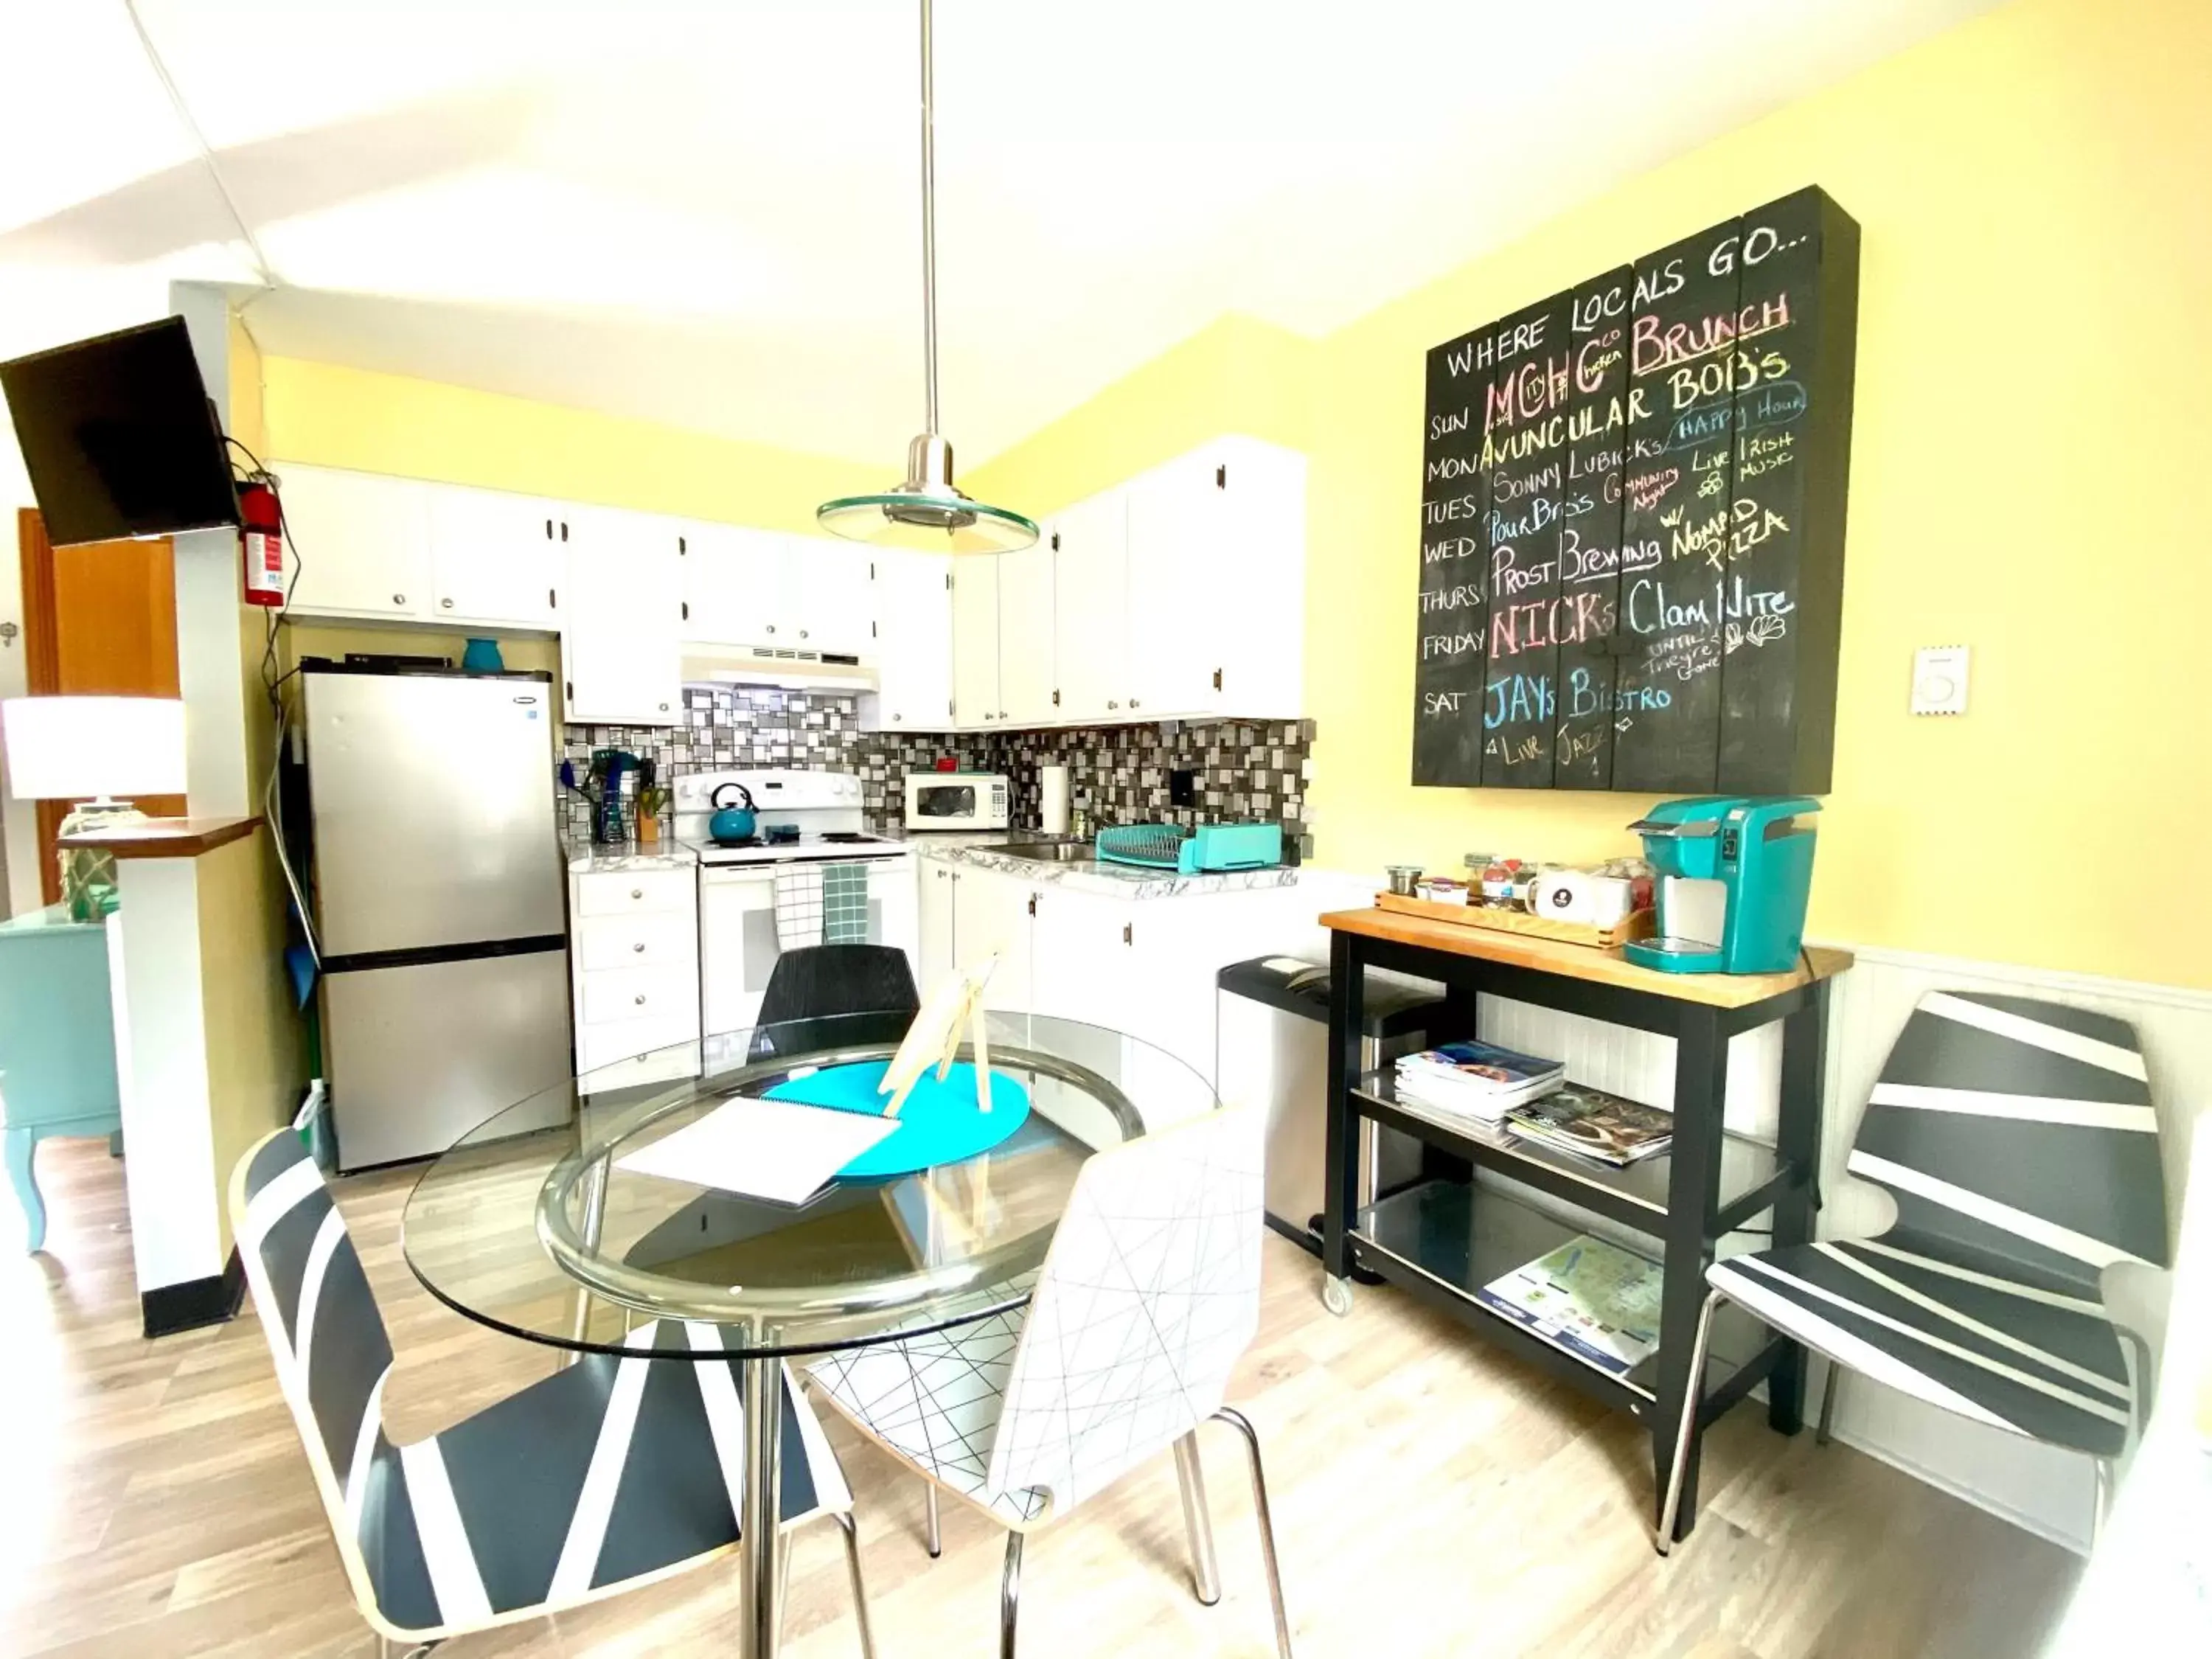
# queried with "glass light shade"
point(75, 748)
point(930, 522)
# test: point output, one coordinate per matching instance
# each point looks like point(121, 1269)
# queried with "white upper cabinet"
point(1260, 581)
point(737, 586)
point(621, 614)
point(497, 559)
point(836, 595)
point(1091, 602)
point(913, 663)
point(975, 643)
point(1026, 624)
point(357, 543)
point(1178, 596)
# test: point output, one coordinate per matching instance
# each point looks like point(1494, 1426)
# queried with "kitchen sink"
point(1048, 852)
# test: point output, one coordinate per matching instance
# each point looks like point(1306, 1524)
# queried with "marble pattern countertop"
point(590, 858)
point(1119, 880)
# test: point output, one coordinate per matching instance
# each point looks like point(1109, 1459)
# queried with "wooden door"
point(99, 620)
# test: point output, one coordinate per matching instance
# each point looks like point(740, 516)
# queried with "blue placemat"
point(938, 1124)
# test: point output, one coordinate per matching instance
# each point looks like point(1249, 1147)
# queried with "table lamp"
point(64, 748)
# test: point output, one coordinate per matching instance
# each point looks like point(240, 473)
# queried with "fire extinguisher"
point(261, 534)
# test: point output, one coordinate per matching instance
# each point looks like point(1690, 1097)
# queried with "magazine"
point(1483, 1068)
point(1595, 1299)
point(1594, 1124)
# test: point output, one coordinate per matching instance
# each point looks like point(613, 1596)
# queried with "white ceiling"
point(705, 214)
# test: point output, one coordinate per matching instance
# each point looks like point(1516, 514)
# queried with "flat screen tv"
point(119, 438)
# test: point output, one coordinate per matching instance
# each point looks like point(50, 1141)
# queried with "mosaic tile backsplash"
point(1117, 774)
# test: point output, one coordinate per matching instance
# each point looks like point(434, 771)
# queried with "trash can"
point(1271, 1045)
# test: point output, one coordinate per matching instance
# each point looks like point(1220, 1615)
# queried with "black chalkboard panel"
point(1682, 373)
point(1524, 469)
point(1654, 465)
point(1589, 530)
point(1455, 612)
point(1786, 554)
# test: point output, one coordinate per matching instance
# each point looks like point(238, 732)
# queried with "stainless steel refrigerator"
point(440, 905)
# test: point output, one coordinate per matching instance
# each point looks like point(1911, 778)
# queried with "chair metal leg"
point(1238, 1421)
point(388, 1648)
point(859, 1586)
point(1689, 1422)
point(1206, 1577)
point(1010, 1596)
point(2104, 1467)
point(931, 1535)
point(1829, 1389)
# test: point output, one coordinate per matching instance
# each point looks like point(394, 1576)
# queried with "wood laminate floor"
point(1433, 1497)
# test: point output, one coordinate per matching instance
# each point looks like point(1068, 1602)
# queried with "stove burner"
point(739, 840)
point(845, 835)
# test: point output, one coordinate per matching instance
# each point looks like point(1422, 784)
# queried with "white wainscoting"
point(2043, 1490)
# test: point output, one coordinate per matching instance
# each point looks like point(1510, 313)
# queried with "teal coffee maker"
point(1734, 872)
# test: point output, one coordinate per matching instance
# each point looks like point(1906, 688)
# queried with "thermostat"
point(1939, 679)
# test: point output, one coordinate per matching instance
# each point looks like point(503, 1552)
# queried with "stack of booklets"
point(1594, 1124)
point(1596, 1300)
point(1476, 1080)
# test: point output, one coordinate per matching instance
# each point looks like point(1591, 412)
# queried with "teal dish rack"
point(1211, 847)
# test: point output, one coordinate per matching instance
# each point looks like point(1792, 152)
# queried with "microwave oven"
point(955, 800)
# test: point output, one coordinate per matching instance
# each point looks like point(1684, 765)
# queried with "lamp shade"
point(75, 748)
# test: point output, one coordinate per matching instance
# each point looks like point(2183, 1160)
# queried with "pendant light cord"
point(928, 218)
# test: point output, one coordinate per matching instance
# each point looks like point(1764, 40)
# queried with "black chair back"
point(835, 982)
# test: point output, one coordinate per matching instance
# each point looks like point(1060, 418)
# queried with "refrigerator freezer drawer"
point(420, 1055)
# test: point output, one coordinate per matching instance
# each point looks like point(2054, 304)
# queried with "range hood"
point(784, 670)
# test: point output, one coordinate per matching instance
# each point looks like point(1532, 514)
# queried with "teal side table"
point(57, 1043)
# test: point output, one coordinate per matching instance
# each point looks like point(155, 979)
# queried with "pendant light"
point(926, 510)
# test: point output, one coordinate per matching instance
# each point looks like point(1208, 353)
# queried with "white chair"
point(614, 1473)
point(1150, 1292)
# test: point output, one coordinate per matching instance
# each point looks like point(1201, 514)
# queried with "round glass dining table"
point(543, 1222)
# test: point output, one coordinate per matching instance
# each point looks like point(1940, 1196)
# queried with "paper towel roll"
point(1053, 781)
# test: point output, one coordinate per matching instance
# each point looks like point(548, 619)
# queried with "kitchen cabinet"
point(934, 956)
point(836, 595)
point(735, 590)
point(1090, 647)
point(357, 543)
point(991, 917)
point(914, 658)
point(497, 559)
point(619, 654)
point(634, 956)
point(1026, 621)
point(1180, 594)
point(975, 642)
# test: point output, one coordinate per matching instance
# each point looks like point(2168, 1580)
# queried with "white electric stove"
point(802, 819)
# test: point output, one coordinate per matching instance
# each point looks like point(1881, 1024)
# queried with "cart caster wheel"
point(1336, 1294)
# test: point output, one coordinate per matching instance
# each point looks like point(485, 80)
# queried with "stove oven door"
point(737, 945)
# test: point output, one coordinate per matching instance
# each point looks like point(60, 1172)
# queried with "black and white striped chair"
point(614, 1473)
point(2018, 1140)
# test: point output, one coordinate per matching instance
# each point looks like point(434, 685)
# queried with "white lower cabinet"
point(1143, 968)
point(634, 963)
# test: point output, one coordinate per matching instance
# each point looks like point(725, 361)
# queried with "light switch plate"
point(1939, 679)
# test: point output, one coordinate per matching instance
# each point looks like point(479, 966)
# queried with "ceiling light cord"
point(177, 101)
point(928, 218)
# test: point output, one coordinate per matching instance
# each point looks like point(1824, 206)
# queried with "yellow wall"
point(2035, 338)
point(327, 415)
point(1236, 375)
point(253, 1051)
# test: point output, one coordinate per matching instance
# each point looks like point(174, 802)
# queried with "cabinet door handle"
point(564, 529)
point(1133, 703)
point(771, 627)
point(898, 717)
point(664, 709)
point(1110, 703)
point(552, 600)
point(638, 998)
point(637, 892)
point(549, 530)
point(639, 945)
point(400, 599)
point(447, 604)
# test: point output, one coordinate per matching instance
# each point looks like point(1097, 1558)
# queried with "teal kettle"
point(731, 825)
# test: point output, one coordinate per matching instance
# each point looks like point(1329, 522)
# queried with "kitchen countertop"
point(1118, 880)
point(589, 857)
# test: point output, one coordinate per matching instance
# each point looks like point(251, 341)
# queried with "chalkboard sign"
point(1633, 519)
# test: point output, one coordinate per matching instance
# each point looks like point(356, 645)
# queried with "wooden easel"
point(935, 1036)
